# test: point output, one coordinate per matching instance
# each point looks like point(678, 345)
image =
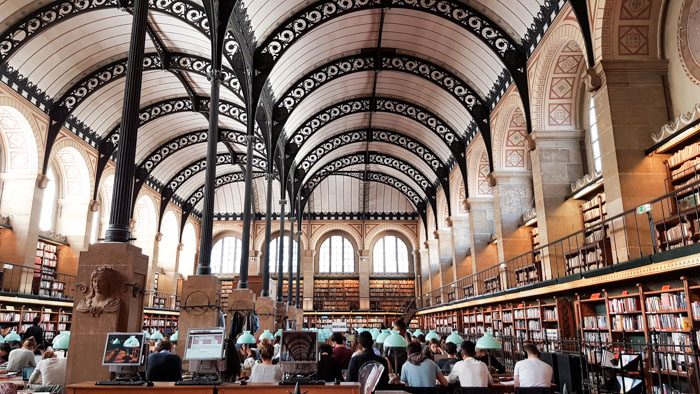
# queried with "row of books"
point(595, 322)
point(599, 198)
point(46, 247)
point(627, 323)
point(678, 232)
point(667, 321)
point(619, 305)
point(550, 314)
point(666, 302)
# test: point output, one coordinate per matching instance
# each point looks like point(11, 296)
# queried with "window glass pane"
point(348, 256)
point(402, 256)
point(226, 256)
point(336, 254)
point(274, 255)
point(324, 262)
point(390, 263)
point(378, 256)
point(216, 257)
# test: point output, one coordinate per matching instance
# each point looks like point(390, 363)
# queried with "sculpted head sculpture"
point(101, 297)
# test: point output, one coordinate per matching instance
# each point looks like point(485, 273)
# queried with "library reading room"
point(350, 196)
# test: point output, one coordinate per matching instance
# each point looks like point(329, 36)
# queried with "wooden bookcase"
point(532, 273)
point(353, 320)
point(20, 316)
point(596, 251)
point(45, 282)
point(341, 294)
point(163, 321)
point(444, 322)
point(390, 294)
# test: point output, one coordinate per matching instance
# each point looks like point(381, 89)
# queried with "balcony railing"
point(616, 243)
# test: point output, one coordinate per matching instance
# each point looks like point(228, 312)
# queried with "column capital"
point(436, 234)
point(180, 246)
point(159, 236)
point(283, 202)
point(455, 221)
point(491, 179)
point(213, 75)
point(309, 253)
point(556, 135)
point(42, 181)
point(94, 205)
point(426, 244)
point(508, 175)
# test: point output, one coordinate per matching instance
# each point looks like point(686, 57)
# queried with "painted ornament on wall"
point(689, 39)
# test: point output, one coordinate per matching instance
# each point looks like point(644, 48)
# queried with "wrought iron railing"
point(17, 279)
point(618, 242)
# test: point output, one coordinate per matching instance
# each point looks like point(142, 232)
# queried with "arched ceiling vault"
point(390, 92)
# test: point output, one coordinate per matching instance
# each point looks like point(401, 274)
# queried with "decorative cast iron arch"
point(221, 180)
point(471, 101)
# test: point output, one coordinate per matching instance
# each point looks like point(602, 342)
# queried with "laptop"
point(27, 372)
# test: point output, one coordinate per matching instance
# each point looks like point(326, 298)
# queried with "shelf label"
point(624, 292)
point(595, 296)
point(642, 209)
point(665, 287)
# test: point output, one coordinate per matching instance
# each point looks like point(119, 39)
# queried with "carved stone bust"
point(102, 295)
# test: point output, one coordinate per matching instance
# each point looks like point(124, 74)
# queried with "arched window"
point(226, 256)
point(336, 256)
point(189, 244)
point(390, 255)
point(274, 253)
point(593, 136)
point(48, 206)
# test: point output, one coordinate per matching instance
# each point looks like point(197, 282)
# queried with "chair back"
point(369, 375)
point(471, 390)
point(533, 390)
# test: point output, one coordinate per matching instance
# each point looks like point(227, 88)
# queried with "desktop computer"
point(299, 357)
point(124, 353)
point(204, 349)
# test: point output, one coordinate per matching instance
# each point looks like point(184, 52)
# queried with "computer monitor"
point(123, 349)
point(299, 347)
point(205, 344)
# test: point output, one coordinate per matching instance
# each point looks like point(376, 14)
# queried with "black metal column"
point(290, 260)
point(248, 201)
point(205, 244)
point(268, 223)
point(298, 284)
point(120, 215)
point(280, 253)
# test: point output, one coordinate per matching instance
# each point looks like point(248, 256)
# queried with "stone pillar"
point(417, 271)
point(630, 105)
point(22, 200)
point(460, 245)
point(364, 270)
point(512, 196)
point(92, 223)
point(426, 274)
point(114, 305)
point(201, 296)
point(482, 225)
point(176, 270)
point(556, 164)
point(265, 308)
point(444, 238)
point(435, 269)
point(307, 271)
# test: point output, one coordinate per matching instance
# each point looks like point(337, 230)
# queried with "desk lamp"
point(375, 333)
point(395, 341)
point(278, 333)
point(246, 339)
point(488, 342)
point(174, 337)
point(417, 332)
point(156, 336)
point(432, 334)
point(146, 335)
point(381, 338)
point(266, 335)
point(61, 341)
point(2, 340)
point(455, 338)
point(13, 337)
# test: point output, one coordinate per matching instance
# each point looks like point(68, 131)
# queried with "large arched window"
point(594, 141)
point(226, 256)
point(336, 256)
point(189, 244)
point(274, 253)
point(390, 256)
point(48, 205)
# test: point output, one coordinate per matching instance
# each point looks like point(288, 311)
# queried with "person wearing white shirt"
point(50, 371)
point(266, 372)
point(532, 372)
point(470, 372)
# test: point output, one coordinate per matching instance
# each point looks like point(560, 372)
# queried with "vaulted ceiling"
point(375, 100)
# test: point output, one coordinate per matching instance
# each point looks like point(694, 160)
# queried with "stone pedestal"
point(201, 296)
point(512, 196)
point(265, 309)
point(109, 298)
point(460, 245)
point(307, 274)
point(481, 223)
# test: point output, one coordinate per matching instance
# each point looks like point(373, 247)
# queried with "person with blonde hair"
point(23, 357)
point(50, 371)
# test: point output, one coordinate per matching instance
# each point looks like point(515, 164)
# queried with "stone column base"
point(265, 309)
point(199, 306)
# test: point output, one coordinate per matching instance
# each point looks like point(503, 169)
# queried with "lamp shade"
point(278, 333)
point(60, 341)
point(395, 340)
point(416, 333)
point(266, 335)
point(132, 342)
point(375, 333)
point(454, 338)
point(246, 339)
point(487, 342)
point(382, 336)
point(13, 337)
point(174, 337)
point(156, 336)
point(321, 336)
point(2, 340)
point(432, 335)
point(146, 335)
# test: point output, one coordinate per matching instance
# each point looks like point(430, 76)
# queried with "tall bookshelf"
point(531, 273)
point(336, 294)
point(45, 282)
point(596, 251)
point(352, 320)
point(387, 294)
point(165, 322)
point(20, 316)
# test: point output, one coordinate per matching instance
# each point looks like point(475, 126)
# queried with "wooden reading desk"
point(227, 388)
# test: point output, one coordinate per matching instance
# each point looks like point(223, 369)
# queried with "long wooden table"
point(228, 388)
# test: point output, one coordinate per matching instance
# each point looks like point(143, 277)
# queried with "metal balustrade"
point(617, 243)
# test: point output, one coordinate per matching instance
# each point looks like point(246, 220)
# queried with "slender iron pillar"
point(298, 284)
point(205, 244)
point(280, 253)
point(290, 260)
point(248, 201)
point(268, 222)
point(120, 215)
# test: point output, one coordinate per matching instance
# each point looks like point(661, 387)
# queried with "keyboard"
point(120, 383)
point(302, 382)
point(198, 382)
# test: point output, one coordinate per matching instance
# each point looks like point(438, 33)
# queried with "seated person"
point(265, 371)
point(341, 353)
point(490, 361)
point(4, 352)
point(367, 355)
point(420, 371)
point(23, 357)
point(50, 371)
point(433, 349)
point(249, 357)
point(164, 366)
point(446, 364)
point(532, 372)
point(328, 368)
point(470, 372)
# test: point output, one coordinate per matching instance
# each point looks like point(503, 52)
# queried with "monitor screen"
point(205, 344)
point(298, 347)
point(123, 349)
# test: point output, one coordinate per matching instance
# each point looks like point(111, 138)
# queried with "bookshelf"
point(444, 322)
point(336, 294)
point(45, 279)
point(163, 321)
point(20, 316)
point(531, 273)
point(352, 320)
point(390, 294)
point(596, 251)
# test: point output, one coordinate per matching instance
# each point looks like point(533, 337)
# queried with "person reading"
point(23, 357)
point(470, 372)
point(341, 353)
point(265, 371)
point(50, 371)
point(164, 366)
point(446, 364)
point(367, 355)
point(532, 372)
point(420, 371)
